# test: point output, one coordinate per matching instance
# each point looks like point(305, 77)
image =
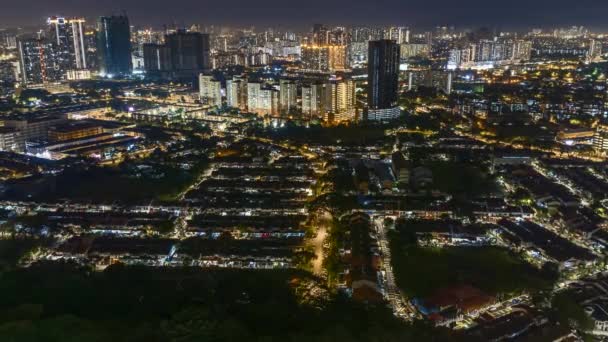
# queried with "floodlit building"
point(68, 35)
point(324, 58)
point(262, 100)
point(210, 91)
point(39, 61)
point(342, 101)
point(236, 92)
point(289, 92)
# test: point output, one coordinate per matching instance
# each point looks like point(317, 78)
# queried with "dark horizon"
point(515, 14)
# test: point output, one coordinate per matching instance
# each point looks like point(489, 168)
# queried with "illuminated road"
point(318, 242)
point(195, 185)
point(398, 303)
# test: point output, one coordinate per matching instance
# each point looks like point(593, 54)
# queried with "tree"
point(569, 312)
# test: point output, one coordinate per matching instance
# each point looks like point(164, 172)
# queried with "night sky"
point(302, 13)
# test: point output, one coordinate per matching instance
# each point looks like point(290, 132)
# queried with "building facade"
point(383, 80)
point(210, 91)
point(114, 45)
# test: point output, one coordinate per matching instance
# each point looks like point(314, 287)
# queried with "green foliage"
point(12, 250)
point(333, 261)
point(420, 271)
point(187, 304)
point(569, 312)
point(164, 227)
point(462, 179)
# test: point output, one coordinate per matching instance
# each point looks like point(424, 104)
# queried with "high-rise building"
point(189, 51)
point(399, 34)
point(90, 41)
point(320, 34)
point(78, 46)
point(210, 90)
point(315, 58)
point(337, 58)
point(313, 95)
point(342, 101)
point(8, 76)
point(288, 91)
point(383, 80)
point(58, 31)
point(357, 53)
point(9, 41)
point(253, 94)
point(438, 79)
point(38, 62)
point(114, 45)
point(490, 52)
point(68, 35)
point(236, 93)
point(414, 50)
point(324, 58)
point(365, 34)
point(184, 55)
point(600, 139)
point(157, 59)
point(262, 100)
point(326, 50)
point(332, 100)
point(337, 36)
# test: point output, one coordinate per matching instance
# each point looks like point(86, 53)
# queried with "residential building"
point(210, 91)
point(236, 93)
point(38, 62)
point(288, 95)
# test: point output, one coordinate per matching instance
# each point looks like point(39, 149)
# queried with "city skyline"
point(311, 171)
point(516, 14)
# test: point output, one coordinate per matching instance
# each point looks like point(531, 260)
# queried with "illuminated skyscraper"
point(236, 92)
point(399, 34)
point(68, 35)
point(312, 100)
point(315, 58)
point(78, 46)
point(58, 31)
point(262, 100)
point(9, 41)
point(288, 95)
point(38, 61)
point(210, 91)
point(383, 80)
point(337, 57)
point(114, 45)
point(324, 58)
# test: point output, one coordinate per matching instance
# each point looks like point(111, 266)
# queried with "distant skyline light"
point(301, 14)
